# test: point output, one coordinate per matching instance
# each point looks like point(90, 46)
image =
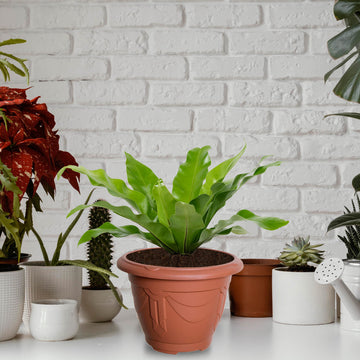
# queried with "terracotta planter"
point(250, 290)
point(179, 308)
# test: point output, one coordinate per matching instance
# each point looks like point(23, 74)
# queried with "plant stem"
point(41, 243)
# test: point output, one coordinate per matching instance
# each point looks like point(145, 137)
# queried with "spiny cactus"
point(352, 234)
point(99, 249)
point(300, 252)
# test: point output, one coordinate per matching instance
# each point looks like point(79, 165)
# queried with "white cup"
point(54, 319)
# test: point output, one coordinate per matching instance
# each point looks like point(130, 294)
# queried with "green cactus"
point(297, 254)
point(99, 249)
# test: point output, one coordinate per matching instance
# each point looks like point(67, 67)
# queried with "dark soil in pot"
point(199, 258)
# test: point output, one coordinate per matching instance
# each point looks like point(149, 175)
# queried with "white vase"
point(351, 277)
point(50, 282)
point(299, 300)
point(99, 305)
point(12, 292)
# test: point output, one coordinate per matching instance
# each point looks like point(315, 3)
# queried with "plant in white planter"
point(179, 288)
point(297, 298)
point(98, 303)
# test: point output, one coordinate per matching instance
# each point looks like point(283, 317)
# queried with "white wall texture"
point(157, 78)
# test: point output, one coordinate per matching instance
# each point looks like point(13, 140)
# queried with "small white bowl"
point(54, 319)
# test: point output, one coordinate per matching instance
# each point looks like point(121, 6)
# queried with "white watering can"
point(330, 272)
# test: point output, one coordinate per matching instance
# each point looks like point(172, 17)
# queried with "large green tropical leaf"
point(142, 179)
point(338, 66)
point(165, 203)
point(117, 231)
point(115, 187)
point(347, 114)
point(185, 225)
point(219, 172)
point(201, 203)
point(348, 86)
point(345, 8)
point(157, 230)
point(12, 42)
point(265, 222)
point(345, 220)
point(356, 183)
point(191, 174)
point(343, 43)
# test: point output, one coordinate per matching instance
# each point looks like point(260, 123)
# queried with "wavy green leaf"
point(338, 66)
point(191, 174)
point(347, 114)
point(185, 225)
point(343, 43)
point(12, 42)
point(343, 9)
point(345, 220)
point(165, 203)
point(219, 172)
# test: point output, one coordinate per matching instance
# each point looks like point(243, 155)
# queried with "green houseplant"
point(179, 289)
point(297, 298)
point(98, 304)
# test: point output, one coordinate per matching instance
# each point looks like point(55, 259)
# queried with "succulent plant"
point(351, 239)
point(100, 248)
point(299, 253)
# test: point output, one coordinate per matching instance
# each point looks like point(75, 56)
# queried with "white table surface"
point(234, 338)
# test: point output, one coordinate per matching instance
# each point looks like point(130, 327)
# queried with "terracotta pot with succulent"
point(179, 289)
point(98, 303)
point(297, 298)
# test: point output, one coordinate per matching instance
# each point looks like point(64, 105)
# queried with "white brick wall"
point(158, 78)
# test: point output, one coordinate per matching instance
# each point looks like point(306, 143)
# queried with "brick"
point(300, 67)
point(110, 42)
point(67, 16)
point(302, 122)
point(72, 68)
point(303, 15)
point(40, 43)
point(84, 119)
point(318, 93)
point(122, 15)
point(61, 202)
point(298, 174)
point(203, 68)
point(187, 94)
point(326, 200)
point(51, 92)
point(101, 144)
point(330, 147)
point(14, 17)
point(264, 94)
point(271, 199)
point(110, 92)
point(166, 145)
point(319, 39)
point(186, 42)
point(154, 119)
point(150, 67)
point(267, 42)
point(223, 15)
point(258, 146)
point(233, 120)
point(349, 170)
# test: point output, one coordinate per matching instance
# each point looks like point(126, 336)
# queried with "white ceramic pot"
point(351, 277)
point(98, 305)
point(50, 282)
point(12, 292)
point(299, 300)
point(54, 319)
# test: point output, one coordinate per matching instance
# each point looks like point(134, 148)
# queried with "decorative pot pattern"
point(99, 305)
point(12, 292)
point(250, 290)
point(299, 300)
point(50, 282)
point(179, 308)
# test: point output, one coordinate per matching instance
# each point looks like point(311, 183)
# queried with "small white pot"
point(351, 277)
point(50, 282)
point(12, 292)
point(299, 300)
point(98, 305)
point(54, 319)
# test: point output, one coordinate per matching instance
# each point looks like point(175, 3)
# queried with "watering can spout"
point(330, 272)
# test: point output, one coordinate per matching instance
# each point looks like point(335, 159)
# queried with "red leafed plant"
point(29, 156)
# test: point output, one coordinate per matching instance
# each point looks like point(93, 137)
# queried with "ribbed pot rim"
point(258, 267)
point(179, 273)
